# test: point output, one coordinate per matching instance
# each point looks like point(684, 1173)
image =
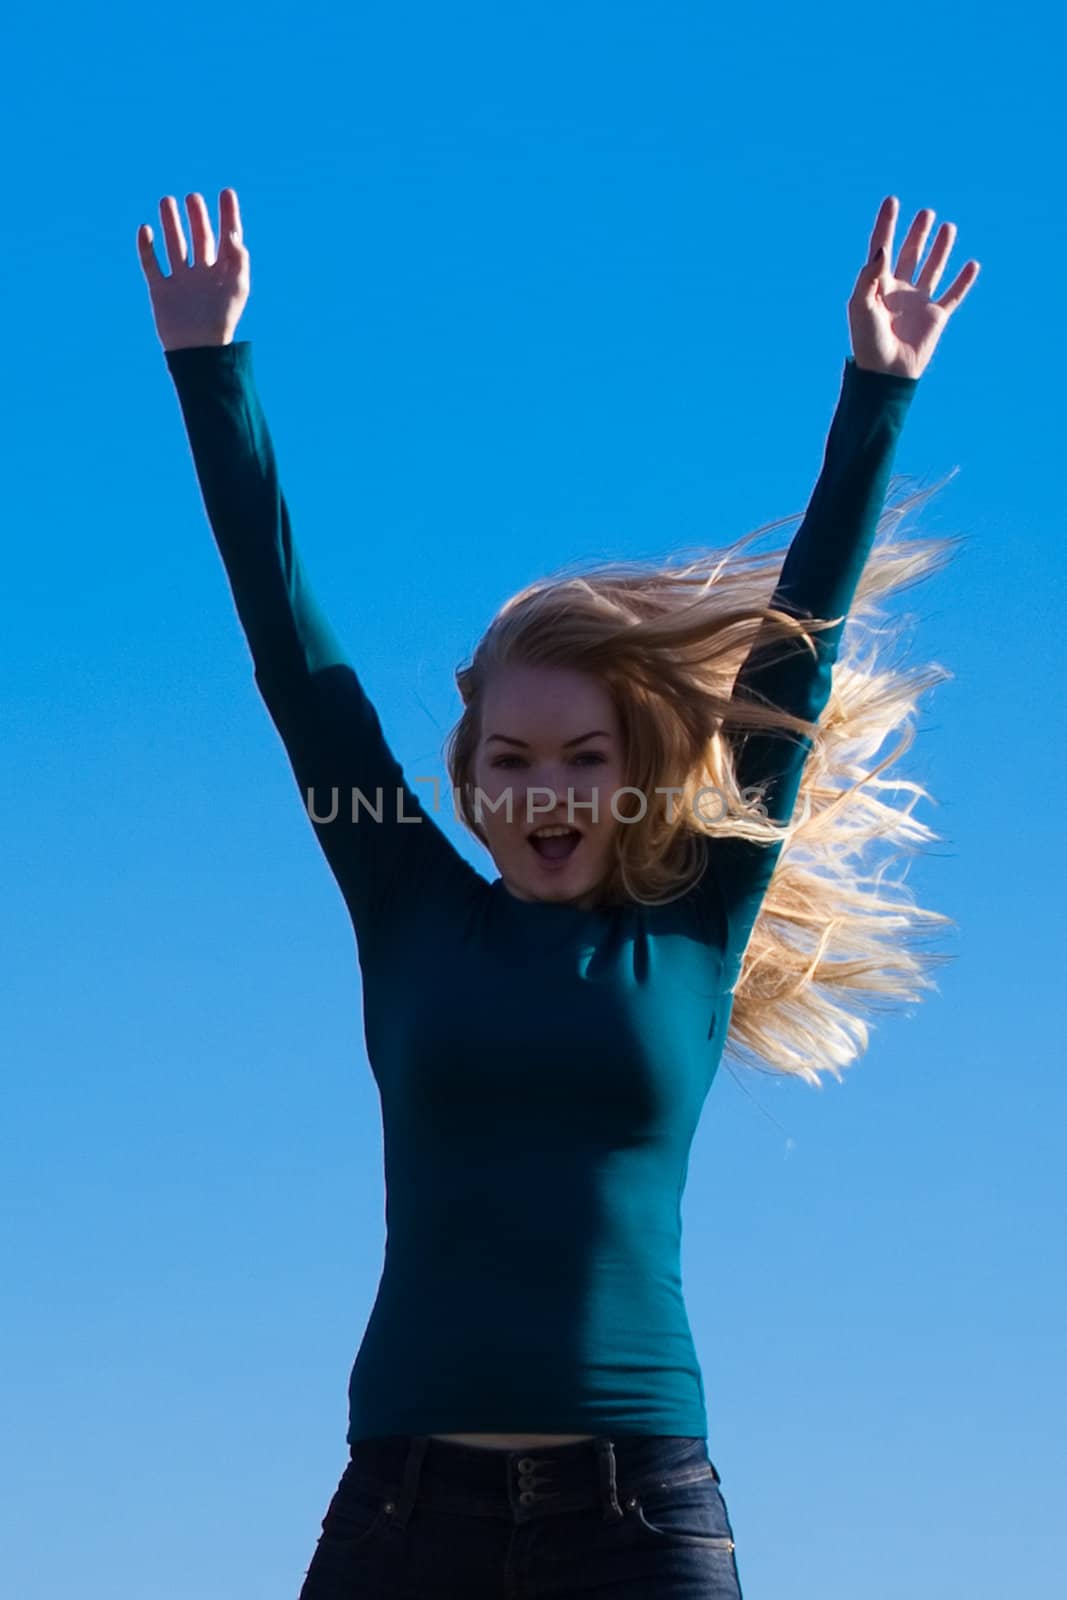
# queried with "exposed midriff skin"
point(512, 1441)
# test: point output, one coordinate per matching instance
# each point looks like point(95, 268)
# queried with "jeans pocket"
point(355, 1512)
point(691, 1513)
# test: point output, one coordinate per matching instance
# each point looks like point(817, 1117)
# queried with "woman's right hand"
point(200, 304)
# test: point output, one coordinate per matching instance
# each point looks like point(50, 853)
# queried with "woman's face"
point(547, 730)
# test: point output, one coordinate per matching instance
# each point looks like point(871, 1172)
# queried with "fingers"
point(204, 248)
point(147, 252)
point(930, 276)
point(914, 245)
point(954, 297)
point(230, 217)
point(200, 227)
point(177, 254)
point(882, 233)
point(912, 249)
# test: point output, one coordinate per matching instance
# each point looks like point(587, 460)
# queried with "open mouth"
point(555, 848)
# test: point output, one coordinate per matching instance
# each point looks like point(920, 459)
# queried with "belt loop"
point(606, 1463)
point(417, 1447)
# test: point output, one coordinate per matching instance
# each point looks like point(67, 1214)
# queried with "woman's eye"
point(585, 755)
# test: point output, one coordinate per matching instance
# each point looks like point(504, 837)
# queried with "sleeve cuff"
point(875, 380)
point(210, 358)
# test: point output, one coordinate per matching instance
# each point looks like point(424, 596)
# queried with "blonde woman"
point(673, 769)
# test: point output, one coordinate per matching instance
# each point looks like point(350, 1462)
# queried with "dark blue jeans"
point(621, 1517)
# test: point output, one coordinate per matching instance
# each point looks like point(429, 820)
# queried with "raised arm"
point(330, 730)
point(895, 326)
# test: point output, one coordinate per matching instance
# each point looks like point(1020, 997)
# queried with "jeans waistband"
point(523, 1484)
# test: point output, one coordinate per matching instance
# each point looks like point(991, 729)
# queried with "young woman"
point(671, 768)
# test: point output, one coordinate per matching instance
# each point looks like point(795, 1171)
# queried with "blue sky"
point(530, 284)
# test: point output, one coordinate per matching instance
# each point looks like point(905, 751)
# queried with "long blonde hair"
point(834, 935)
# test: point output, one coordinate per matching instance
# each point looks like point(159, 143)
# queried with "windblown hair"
point(834, 936)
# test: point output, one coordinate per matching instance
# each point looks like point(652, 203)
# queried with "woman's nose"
point(558, 786)
point(545, 798)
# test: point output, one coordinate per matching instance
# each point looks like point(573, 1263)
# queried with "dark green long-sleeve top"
point(541, 1069)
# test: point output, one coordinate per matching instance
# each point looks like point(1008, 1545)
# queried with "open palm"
point(896, 324)
point(200, 302)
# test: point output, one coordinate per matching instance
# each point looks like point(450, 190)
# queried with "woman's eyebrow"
point(597, 733)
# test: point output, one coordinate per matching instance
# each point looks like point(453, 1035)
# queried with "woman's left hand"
point(895, 324)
